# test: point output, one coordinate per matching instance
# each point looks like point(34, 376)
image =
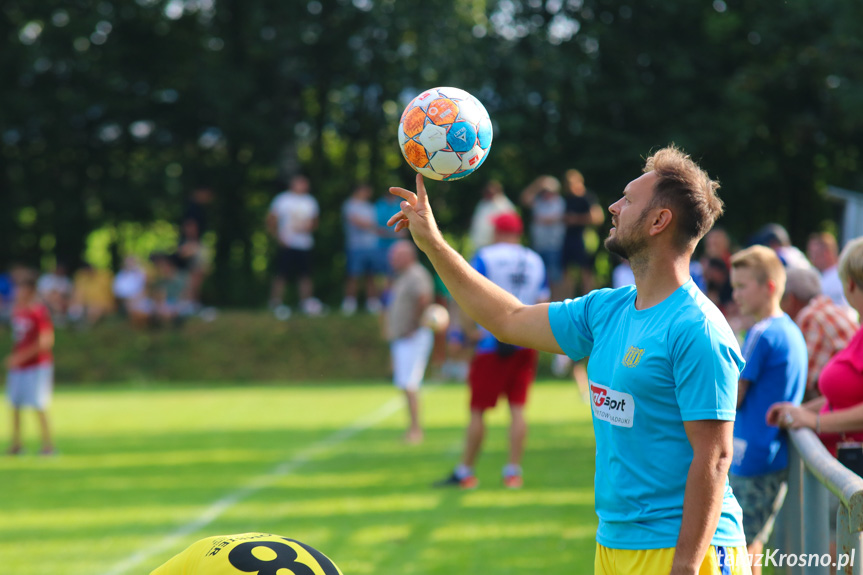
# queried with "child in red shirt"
point(30, 365)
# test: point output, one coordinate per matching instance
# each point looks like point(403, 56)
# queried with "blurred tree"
point(112, 112)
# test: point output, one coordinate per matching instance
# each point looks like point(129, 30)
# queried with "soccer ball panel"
point(472, 159)
point(484, 133)
point(442, 111)
point(415, 121)
point(402, 136)
point(433, 138)
point(461, 136)
point(429, 173)
point(445, 163)
point(415, 154)
point(454, 93)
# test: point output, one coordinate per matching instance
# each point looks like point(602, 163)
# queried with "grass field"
point(143, 472)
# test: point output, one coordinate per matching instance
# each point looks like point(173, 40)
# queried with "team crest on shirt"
point(633, 356)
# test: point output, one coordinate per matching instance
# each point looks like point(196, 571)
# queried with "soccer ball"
point(435, 317)
point(445, 134)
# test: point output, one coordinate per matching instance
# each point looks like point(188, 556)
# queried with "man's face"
point(716, 244)
point(400, 257)
point(629, 216)
point(816, 251)
point(300, 185)
point(749, 293)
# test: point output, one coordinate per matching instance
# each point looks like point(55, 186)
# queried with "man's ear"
point(661, 221)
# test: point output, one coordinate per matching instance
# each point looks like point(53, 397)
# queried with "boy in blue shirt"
point(776, 365)
point(664, 366)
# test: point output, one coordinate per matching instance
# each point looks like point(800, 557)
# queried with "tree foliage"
point(112, 112)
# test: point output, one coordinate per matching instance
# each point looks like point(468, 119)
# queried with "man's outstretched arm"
point(489, 305)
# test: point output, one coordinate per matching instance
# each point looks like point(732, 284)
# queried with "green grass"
point(137, 465)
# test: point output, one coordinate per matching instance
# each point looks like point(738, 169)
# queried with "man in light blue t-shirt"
point(663, 370)
point(776, 368)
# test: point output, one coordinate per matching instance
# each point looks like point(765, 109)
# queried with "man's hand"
point(416, 215)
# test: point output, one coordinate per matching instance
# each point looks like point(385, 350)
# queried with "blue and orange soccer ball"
point(445, 134)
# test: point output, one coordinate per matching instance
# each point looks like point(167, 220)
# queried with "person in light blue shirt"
point(776, 367)
point(664, 367)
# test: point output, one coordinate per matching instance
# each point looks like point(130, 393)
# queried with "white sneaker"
point(312, 306)
point(282, 312)
point(349, 306)
point(374, 306)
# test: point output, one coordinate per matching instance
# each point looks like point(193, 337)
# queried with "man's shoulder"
point(696, 313)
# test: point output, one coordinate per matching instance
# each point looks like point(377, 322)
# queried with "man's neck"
point(658, 277)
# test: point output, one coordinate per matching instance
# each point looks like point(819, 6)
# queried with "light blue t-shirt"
point(776, 366)
point(650, 370)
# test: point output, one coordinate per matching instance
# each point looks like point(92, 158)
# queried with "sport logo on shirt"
point(633, 356)
point(615, 407)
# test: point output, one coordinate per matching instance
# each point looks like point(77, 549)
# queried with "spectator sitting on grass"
point(55, 289)
point(169, 289)
point(92, 295)
point(130, 289)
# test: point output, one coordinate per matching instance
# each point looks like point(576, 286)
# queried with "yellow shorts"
point(658, 561)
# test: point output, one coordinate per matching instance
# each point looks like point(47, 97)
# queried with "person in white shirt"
point(493, 203)
point(499, 369)
point(292, 219)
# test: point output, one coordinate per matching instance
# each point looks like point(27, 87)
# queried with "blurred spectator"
point(775, 370)
point(6, 295)
point(31, 364)
point(827, 327)
point(410, 343)
point(718, 285)
point(776, 237)
point(193, 256)
point(55, 289)
point(92, 295)
point(385, 207)
point(837, 416)
point(622, 275)
point(130, 289)
point(542, 197)
point(582, 212)
point(824, 255)
point(292, 218)
point(169, 289)
point(361, 244)
point(500, 369)
point(493, 203)
point(717, 245)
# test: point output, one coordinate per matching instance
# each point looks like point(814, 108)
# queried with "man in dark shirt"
point(582, 212)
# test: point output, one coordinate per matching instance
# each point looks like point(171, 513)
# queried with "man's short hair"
point(851, 262)
point(803, 283)
point(764, 263)
point(687, 190)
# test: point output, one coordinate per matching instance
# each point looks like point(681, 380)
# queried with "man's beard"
point(628, 247)
point(624, 247)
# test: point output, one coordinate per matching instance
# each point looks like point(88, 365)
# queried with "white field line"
point(256, 484)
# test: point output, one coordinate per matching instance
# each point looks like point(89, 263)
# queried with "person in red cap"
point(500, 369)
